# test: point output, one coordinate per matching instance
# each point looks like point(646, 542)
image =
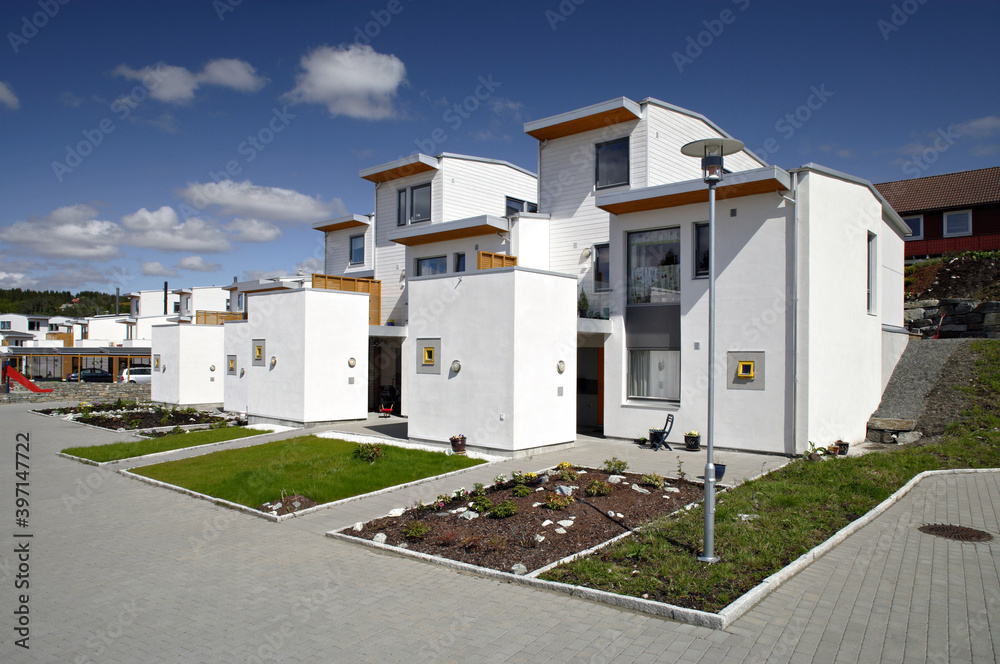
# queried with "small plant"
point(447, 539)
point(455, 439)
point(653, 480)
point(442, 500)
point(568, 475)
point(500, 480)
point(521, 491)
point(220, 424)
point(554, 501)
point(518, 477)
point(460, 494)
point(482, 504)
point(472, 542)
point(615, 466)
point(680, 469)
point(530, 478)
point(564, 465)
point(503, 510)
point(164, 419)
point(598, 488)
point(369, 452)
point(176, 430)
point(479, 489)
point(416, 531)
point(497, 543)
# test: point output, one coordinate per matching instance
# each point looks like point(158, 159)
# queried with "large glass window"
point(612, 163)
point(602, 268)
point(654, 266)
point(516, 205)
point(33, 326)
point(654, 374)
point(420, 203)
point(357, 249)
point(5, 325)
point(701, 250)
point(916, 225)
point(401, 207)
point(958, 223)
point(435, 265)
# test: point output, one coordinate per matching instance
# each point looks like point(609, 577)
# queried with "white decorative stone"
point(616, 479)
point(565, 523)
point(379, 538)
point(611, 513)
point(672, 489)
point(358, 527)
point(636, 487)
point(539, 489)
point(397, 512)
point(565, 490)
point(581, 472)
point(468, 516)
point(539, 538)
point(519, 569)
point(620, 515)
point(547, 522)
point(561, 531)
point(537, 504)
point(459, 510)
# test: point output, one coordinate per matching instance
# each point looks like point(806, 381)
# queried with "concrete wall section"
point(192, 364)
point(237, 343)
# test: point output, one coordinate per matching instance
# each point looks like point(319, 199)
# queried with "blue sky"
point(118, 121)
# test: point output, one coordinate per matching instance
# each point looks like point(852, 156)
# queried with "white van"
point(137, 375)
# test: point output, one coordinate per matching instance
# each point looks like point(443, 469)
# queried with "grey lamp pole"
point(711, 151)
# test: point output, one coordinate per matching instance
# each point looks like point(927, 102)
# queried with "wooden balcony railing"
point(65, 337)
point(216, 317)
point(487, 260)
point(951, 244)
point(355, 285)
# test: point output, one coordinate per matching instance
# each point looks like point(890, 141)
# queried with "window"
point(401, 207)
point(701, 257)
point(958, 223)
point(4, 325)
point(33, 326)
point(516, 205)
point(460, 262)
point(239, 301)
point(602, 267)
point(357, 249)
point(435, 265)
point(916, 225)
point(428, 355)
point(177, 307)
point(53, 327)
point(611, 168)
point(654, 374)
point(654, 266)
point(872, 270)
point(420, 203)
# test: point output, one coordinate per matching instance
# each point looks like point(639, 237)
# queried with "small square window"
point(916, 225)
point(258, 352)
point(460, 262)
point(428, 354)
point(745, 370)
point(958, 223)
point(611, 166)
point(231, 365)
point(602, 268)
point(357, 249)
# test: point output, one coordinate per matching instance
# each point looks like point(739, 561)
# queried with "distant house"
point(948, 213)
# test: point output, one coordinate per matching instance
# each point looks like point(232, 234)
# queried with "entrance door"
point(600, 387)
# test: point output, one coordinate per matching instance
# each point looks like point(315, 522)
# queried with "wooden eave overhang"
point(413, 236)
point(418, 163)
point(597, 116)
point(340, 223)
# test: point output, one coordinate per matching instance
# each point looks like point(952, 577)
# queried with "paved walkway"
point(125, 572)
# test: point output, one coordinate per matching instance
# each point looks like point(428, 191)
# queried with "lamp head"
point(711, 151)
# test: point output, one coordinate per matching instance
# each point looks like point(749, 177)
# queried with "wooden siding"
point(202, 317)
point(337, 252)
point(487, 260)
point(473, 188)
point(65, 337)
point(949, 245)
point(354, 285)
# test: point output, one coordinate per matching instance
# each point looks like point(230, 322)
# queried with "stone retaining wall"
point(963, 318)
point(76, 392)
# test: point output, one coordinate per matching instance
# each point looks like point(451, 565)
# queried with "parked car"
point(141, 375)
point(91, 375)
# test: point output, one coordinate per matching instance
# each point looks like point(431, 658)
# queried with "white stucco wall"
point(752, 315)
point(529, 241)
point(310, 334)
point(192, 364)
point(237, 342)
point(509, 328)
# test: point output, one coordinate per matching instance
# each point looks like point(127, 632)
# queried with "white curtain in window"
point(655, 374)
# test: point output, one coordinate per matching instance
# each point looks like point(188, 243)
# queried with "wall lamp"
point(274, 361)
point(456, 366)
point(352, 362)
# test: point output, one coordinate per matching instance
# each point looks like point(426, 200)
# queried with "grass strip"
point(795, 509)
point(129, 449)
point(322, 469)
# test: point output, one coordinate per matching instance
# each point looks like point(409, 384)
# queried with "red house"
point(948, 213)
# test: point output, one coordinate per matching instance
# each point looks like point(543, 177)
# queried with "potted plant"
point(720, 468)
point(458, 444)
point(842, 448)
point(692, 440)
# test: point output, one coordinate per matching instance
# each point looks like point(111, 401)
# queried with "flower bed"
point(539, 531)
point(130, 415)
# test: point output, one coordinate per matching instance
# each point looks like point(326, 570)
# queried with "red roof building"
point(948, 213)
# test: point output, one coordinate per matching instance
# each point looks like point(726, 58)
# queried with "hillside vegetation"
point(973, 274)
point(50, 303)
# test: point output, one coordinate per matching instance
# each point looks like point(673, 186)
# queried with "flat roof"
point(583, 119)
point(340, 223)
point(416, 163)
point(429, 233)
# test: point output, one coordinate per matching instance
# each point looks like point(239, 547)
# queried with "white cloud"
point(74, 278)
point(16, 280)
point(267, 203)
point(980, 127)
point(983, 150)
point(355, 81)
point(502, 106)
point(250, 275)
point(311, 265)
point(198, 264)
point(176, 85)
point(66, 232)
point(254, 230)
point(156, 269)
point(8, 98)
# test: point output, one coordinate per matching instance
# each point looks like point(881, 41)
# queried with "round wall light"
point(274, 361)
point(560, 366)
point(456, 366)
point(242, 371)
point(352, 362)
point(212, 368)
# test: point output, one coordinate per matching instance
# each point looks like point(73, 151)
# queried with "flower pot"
point(720, 471)
point(842, 448)
point(692, 442)
point(458, 445)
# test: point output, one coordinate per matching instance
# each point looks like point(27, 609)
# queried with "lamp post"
point(711, 151)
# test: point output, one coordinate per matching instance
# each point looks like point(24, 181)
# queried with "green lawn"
point(129, 449)
point(798, 506)
point(322, 469)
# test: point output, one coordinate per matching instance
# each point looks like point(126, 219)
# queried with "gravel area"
point(916, 375)
point(944, 404)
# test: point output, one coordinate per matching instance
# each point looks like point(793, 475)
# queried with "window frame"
point(401, 216)
point(4, 324)
point(629, 266)
point(430, 202)
point(920, 235)
point(872, 250)
point(944, 223)
point(597, 163)
point(698, 272)
point(351, 249)
point(629, 379)
point(603, 247)
point(518, 207)
point(459, 255)
point(419, 261)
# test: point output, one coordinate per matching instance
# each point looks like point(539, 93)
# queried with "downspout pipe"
point(795, 311)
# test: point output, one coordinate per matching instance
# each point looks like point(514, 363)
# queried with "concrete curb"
point(201, 496)
point(152, 455)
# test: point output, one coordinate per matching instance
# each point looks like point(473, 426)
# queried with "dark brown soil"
point(146, 420)
point(959, 276)
point(287, 505)
point(501, 543)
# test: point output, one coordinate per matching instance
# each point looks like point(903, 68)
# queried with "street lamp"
point(711, 151)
